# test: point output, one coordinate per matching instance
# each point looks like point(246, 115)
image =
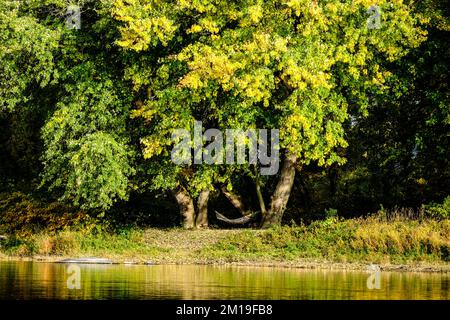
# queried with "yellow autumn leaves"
point(293, 63)
point(145, 21)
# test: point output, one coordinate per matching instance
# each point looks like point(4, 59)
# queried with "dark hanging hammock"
point(242, 220)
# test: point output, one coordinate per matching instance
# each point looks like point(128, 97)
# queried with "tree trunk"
point(236, 201)
point(262, 205)
point(202, 204)
point(186, 205)
point(282, 192)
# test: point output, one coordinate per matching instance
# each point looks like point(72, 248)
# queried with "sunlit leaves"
point(293, 65)
point(99, 172)
point(27, 50)
point(86, 156)
point(146, 23)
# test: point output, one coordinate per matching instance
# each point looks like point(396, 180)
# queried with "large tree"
point(297, 66)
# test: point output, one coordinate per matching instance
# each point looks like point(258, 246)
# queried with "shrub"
point(23, 215)
point(439, 211)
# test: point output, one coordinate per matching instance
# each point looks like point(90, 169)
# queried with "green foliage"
point(362, 240)
point(291, 65)
point(439, 210)
point(336, 90)
point(92, 166)
point(100, 171)
point(27, 54)
point(398, 154)
point(86, 156)
point(331, 213)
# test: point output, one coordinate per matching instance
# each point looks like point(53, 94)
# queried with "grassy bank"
point(354, 242)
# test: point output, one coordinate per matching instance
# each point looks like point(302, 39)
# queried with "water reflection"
point(32, 280)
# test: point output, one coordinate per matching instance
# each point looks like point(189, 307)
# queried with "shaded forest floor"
point(400, 244)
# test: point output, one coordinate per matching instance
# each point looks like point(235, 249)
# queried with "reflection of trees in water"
point(25, 280)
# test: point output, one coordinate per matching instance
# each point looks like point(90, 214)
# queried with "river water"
point(38, 280)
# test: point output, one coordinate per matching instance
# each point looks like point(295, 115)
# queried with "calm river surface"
point(37, 280)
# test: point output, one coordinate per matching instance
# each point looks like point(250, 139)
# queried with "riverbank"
point(309, 264)
point(400, 245)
